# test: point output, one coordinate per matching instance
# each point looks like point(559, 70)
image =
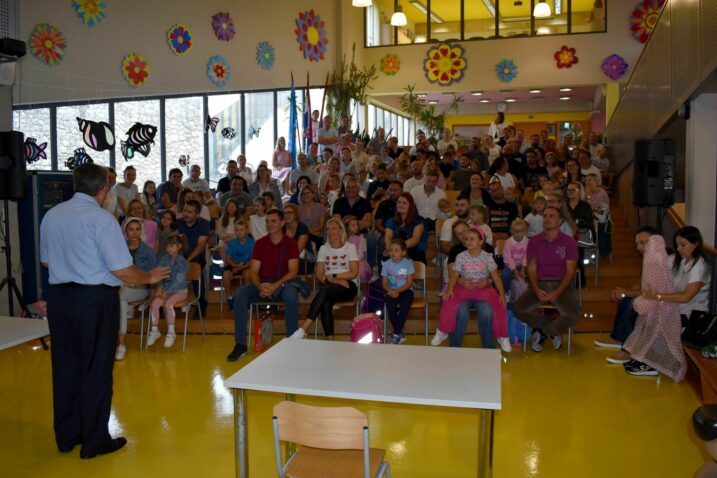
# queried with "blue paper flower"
point(506, 70)
point(218, 70)
point(265, 55)
point(179, 38)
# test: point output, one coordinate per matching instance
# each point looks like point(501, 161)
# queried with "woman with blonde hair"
point(337, 269)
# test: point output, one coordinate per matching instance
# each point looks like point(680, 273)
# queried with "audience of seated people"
point(391, 199)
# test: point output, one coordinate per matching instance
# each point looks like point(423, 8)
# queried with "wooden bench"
point(702, 375)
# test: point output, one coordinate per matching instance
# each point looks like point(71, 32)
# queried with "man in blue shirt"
point(82, 246)
point(196, 232)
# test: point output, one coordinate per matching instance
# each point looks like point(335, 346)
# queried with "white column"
point(701, 166)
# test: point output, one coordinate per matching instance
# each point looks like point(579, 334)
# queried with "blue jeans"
point(374, 248)
point(625, 317)
point(248, 294)
point(485, 323)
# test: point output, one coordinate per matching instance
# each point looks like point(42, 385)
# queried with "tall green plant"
point(347, 83)
point(425, 116)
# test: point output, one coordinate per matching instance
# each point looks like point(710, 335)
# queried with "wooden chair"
point(194, 273)
point(420, 299)
point(334, 443)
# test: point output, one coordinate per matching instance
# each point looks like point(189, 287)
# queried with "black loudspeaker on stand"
point(653, 180)
point(12, 188)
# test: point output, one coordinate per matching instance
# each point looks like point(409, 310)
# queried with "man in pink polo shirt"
point(552, 260)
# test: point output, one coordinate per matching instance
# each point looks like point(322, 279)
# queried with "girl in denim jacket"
point(170, 291)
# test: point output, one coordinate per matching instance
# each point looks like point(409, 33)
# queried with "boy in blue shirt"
point(237, 257)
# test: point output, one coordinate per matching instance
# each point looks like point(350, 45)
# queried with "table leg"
point(241, 455)
point(485, 444)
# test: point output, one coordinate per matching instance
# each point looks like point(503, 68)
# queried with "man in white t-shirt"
point(327, 137)
point(426, 198)
point(304, 169)
point(196, 183)
point(587, 167)
point(418, 178)
point(447, 140)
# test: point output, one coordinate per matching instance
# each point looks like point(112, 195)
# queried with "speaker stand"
point(13, 291)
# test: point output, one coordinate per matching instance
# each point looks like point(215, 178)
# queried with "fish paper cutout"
point(97, 135)
point(229, 133)
point(139, 138)
point(211, 123)
point(254, 131)
point(78, 159)
point(34, 151)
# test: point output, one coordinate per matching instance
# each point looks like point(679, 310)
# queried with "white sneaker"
point(505, 344)
point(121, 352)
point(438, 338)
point(152, 337)
point(299, 334)
point(169, 339)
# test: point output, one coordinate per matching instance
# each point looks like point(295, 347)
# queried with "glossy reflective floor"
point(562, 417)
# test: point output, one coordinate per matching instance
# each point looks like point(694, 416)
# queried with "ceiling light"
point(485, 100)
point(542, 9)
point(422, 8)
point(510, 100)
point(398, 19)
point(543, 31)
point(536, 91)
point(361, 3)
point(433, 102)
point(477, 93)
point(565, 98)
point(421, 95)
point(565, 90)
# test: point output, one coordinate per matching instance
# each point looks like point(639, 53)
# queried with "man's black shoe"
point(111, 446)
point(238, 352)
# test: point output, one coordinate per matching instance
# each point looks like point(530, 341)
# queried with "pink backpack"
point(367, 329)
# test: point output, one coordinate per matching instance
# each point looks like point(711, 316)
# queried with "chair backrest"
point(332, 428)
point(194, 272)
point(419, 273)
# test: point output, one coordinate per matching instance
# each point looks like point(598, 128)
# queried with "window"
point(477, 20)
point(184, 131)
point(128, 113)
point(227, 108)
point(259, 114)
point(282, 117)
point(35, 123)
point(69, 136)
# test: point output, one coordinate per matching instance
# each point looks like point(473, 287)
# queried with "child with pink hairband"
point(470, 280)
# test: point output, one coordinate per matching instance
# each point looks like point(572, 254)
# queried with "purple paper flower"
point(614, 66)
point(223, 26)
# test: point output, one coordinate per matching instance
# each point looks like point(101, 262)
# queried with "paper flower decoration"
point(311, 35)
point(390, 64)
point(179, 39)
point(218, 70)
point(614, 66)
point(565, 57)
point(91, 12)
point(444, 64)
point(135, 69)
point(506, 70)
point(644, 18)
point(265, 55)
point(48, 44)
point(223, 26)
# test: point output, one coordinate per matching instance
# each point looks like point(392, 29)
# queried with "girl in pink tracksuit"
point(470, 269)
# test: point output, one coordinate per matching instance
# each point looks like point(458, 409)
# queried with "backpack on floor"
point(367, 329)
point(374, 297)
point(516, 328)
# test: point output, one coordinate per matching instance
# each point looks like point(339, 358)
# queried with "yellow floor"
point(562, 417)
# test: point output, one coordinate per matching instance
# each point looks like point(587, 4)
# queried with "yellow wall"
point(612, 97)
point(452, 121)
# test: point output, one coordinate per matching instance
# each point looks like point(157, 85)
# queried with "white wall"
point(701, 167)
point(91, 67)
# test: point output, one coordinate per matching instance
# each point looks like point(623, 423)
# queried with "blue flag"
point(293, 125)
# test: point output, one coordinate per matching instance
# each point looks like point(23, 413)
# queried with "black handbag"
point(701, 329)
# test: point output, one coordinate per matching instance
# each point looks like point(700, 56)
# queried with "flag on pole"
point(308, 121)
point(293, 124)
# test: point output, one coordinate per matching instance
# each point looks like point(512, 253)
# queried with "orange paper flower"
point(390, 64)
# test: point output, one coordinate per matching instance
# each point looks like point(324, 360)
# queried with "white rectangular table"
point(15, 331)
point(358, 371)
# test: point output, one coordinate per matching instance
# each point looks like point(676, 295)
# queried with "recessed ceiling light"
point(536, 91)
point(477, 93)
point(421, 95)
point(565, 98)
point(510, 100)
point(565, 90)
point(543, 30)
point(485, 100)
point(433, 102)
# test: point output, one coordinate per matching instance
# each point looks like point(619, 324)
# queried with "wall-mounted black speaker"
point(12, 165)
point(653, 181)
